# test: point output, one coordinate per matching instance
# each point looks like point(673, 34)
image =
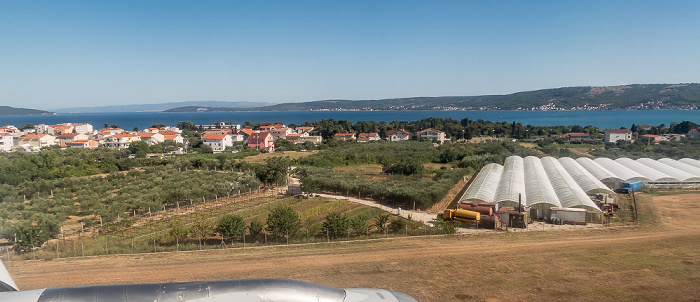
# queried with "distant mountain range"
point(627, 97)
point(161, 107)
point(7, 110)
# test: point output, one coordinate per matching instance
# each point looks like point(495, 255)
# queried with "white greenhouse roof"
point(538, 187)
point(597, 170)
point(512, 182)
point(484, 186)
point(569, 193)
point(589, 183)
point(621, 171)
point(645, 171)
point(681, 166)
point(668, 170)
point(690, 161)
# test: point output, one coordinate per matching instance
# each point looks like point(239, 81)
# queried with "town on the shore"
point(224, 135)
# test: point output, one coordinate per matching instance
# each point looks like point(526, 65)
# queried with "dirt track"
point(652, 263)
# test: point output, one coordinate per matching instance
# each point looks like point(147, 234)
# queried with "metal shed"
point(621, 171)
point(604, 175)
point(681, 166)
point(483, 188)
point(540, 193)
point(646, 171)
point(589, 183)
point(512, 183)
point(569, 193)
point(668, 170)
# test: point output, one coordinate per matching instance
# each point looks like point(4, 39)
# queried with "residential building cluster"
point(69, 135)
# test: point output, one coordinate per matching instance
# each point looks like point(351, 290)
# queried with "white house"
point(398, 135)
point(121, 140)
point(218, 142)
point(614, 135)
point(83, 128)
point(432, 135)
point(151, 138)
point(36, 141)
point(6, 142)
point(366, 137)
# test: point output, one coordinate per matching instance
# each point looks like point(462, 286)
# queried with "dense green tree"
point(397, 225)
point(406, 167)
point(255, 228)
point(285, 145)
point(140, 148)
point(186, 125)
point(231, 226)
point(283, 221)
point(273, 171)
point(336, 224)
point(358, 224)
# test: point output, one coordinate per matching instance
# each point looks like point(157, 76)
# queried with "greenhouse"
point(668, 170)
point(602, 174)
point(681, 166)
point(645, 171)
point(483, 188)
point(621, 171)
point(589, 183)
point(512, 183)
point(568, 191)
point(540, 193)
point(690, 161)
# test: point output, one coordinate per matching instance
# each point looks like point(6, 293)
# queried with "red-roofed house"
point(56, 130)
point(66, 138)
point(9, 129)
point(84, 144)
point(652, 138)
point(432, 134)
point(398, 135)
point(366, 137)
point(573, 136)
point(173, 138)
point(303, 129)
point(345, 136)
point(218, 142)
point(260, 141)
point(168, 132)
point(6, 142)
point(121, 140)
point(151, 138)
point(614, 135)
point(36, 141)
point(280, 133)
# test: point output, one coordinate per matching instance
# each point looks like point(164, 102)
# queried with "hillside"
point(161, 107)
point(629, 97)
point(7, 110)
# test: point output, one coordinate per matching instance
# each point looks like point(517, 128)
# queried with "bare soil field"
point(657, 260)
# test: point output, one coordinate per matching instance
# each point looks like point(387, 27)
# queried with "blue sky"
point(58, 54)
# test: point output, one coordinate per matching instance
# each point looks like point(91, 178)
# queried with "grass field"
point(656, 260)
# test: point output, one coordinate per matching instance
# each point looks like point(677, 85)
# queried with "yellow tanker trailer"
point(461, 215)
